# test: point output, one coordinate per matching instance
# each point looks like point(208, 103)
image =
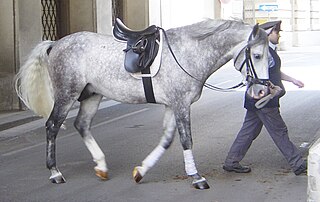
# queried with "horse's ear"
point(255, 30)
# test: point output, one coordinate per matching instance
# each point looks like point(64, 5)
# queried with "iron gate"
point(49, 20)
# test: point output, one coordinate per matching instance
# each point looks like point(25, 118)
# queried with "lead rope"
point(209, 86)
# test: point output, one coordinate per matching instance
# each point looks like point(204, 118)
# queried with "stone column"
point(20, 31)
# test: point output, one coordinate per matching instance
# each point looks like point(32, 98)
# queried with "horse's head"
point(254, 63)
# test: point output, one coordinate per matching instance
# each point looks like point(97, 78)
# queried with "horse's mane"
point(209, 27)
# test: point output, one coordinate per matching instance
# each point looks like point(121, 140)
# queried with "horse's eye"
point(257, 56)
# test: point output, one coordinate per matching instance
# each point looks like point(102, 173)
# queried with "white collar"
point(273, 46)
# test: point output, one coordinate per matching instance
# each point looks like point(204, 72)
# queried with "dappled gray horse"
point(58, 72)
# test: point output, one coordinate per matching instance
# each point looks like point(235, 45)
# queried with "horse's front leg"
point(184, 128)
point(169, 125)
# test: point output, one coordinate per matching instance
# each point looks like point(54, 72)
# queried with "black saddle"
point(142, 46)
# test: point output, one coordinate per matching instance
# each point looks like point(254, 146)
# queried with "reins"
point(207, 85)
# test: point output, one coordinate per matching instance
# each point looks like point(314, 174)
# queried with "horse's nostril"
point(261, 93)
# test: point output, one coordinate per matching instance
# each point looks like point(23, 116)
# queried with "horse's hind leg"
point(169, 125)
point(88, 109)
point(53, 124)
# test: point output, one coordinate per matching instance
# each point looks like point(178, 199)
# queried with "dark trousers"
point(276, 127)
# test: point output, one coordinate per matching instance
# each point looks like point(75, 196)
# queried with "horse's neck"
point(204, 57)
point(233, 43)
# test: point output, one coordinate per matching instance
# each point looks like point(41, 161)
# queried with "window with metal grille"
point(49, 19)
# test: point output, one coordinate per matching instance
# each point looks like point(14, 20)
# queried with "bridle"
point(251, 77)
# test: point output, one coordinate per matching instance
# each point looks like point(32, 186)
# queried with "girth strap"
point(147, 86)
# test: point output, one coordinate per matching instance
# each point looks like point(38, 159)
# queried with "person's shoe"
point(237, 168)
point(302, 169)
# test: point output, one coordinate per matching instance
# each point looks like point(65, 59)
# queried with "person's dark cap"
point(271, 25)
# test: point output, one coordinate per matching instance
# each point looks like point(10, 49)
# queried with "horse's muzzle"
point(258, 91)
point(258, 88)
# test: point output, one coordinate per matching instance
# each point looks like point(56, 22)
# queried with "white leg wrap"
point(151, 159)
point(189, 162)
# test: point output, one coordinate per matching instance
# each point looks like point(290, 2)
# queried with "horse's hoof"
point(136, 175)
point(103, 175)
point(200, 184)
point(58, 179)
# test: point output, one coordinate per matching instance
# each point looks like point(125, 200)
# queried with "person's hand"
point(298, 83)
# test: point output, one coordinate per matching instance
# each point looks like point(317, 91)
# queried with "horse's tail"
point(33, 84)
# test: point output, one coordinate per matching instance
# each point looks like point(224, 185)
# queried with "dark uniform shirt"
point(275, 78)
